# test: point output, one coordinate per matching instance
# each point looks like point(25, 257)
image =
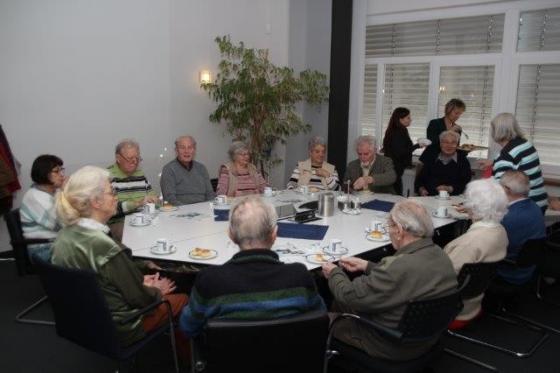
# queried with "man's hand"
point(423, 191)
point(362, 182)
point(447, 188)
point(327, 269)
point(164, 285)
point(353, 264)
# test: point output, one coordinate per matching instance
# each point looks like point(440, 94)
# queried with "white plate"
point(145, 223)
point(168, 209)
point(157, 251)
point(339, 251)
point(435, 215)
point(385, 238)
point(319, 258)
point(424, 142)
point(352, 212)
point(212, 255)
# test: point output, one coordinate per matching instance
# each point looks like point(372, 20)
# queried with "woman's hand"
point(485, 163)
point(164, 285)
point(353, 264)
point(322, 172)
point(327, 269)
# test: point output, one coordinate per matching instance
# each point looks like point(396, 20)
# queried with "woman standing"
point(240, 177)
point(517, 154)
point(397, 144)
point(453, 111)
point(37, 212)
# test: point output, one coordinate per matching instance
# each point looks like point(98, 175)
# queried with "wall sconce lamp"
point(205, 77)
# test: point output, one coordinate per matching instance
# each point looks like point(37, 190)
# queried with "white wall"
point(310, 48)
point(76, 75)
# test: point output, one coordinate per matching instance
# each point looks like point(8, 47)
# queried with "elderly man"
point(128, 180)
point(524, 221)
point(418, 270)
point(254, 284)
point(449, 170)
point(184, 180)
point(370, 172)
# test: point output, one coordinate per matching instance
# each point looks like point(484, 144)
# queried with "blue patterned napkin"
point(303, 231)
point(378, 205)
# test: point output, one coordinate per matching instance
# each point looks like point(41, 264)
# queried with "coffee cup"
point(334, 244)
point(441, 211)
point(221, 212)
point(138, 219)
point(221, 199)
point(149, 208)
point(163, 244)
point(268, 192)
point(443, 194)
point(305, 189)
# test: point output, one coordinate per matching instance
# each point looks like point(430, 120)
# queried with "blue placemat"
point(379, 205)
point(304, 231)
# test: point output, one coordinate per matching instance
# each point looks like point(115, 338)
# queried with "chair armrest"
point(386, 331)
point(31, 241)
point(145, 310)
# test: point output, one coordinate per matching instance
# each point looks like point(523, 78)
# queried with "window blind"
point(467, 35)
point(473, 85)
point(369, 107)
point(538, 108)
point(407, 85)
point(539, 30)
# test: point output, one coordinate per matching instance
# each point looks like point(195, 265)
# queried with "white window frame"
point(506, 63)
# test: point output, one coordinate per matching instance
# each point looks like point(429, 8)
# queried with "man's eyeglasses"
point(58, 170)
point(131, 159)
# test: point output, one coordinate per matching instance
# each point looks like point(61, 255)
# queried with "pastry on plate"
point(376, 234)
point(202, 253)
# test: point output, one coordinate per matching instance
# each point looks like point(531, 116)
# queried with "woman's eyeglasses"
point(58, 170)
point(131, 159)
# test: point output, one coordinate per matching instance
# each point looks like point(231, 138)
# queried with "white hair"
point(74, 200)
point(516, 182)
point(413, 218)
point(126, 143)
point(504, 127)
point(314, 141)
point(185, 137)
point(366, 139)
point(449, 133)
point(486, 200)
point(235, 148)
point(252, 223)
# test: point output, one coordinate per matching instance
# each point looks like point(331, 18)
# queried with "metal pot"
point(326, 204)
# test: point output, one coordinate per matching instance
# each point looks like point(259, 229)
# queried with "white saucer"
point(339, 251)
point(145, 223)
point(157, 251)
point(212, 255)
point(385, 238)
point(352, 212)
point(443, 198)
point(435, 215)
point(319, 258)
point(424, 142)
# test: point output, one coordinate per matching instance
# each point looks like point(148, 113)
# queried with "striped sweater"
point(38, 216)
point(305, 174)
point(235, 184)
point(253, 285)
point(129, 187)
point(519, 154)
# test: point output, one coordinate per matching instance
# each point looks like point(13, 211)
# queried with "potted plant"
point(257, 99)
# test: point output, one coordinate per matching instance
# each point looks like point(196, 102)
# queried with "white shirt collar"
point(93, 224)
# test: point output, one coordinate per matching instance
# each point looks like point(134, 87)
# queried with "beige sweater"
point(483, 242)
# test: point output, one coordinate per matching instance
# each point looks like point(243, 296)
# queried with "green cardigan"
point(119, 278)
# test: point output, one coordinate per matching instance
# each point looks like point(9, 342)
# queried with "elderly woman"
point(371, 172)
point(418, 270)
point(85, 204)
point(38, 215)
point(239, 177)
point(454, 108)
point(517, 154)
point(447, 170)
point(315, 172)
point(485, 241)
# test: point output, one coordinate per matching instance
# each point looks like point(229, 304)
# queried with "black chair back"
point(425, 319)
point(13, 222)
point(295, 343)
point(532, 253)
point(479, 275)
point(80, 310)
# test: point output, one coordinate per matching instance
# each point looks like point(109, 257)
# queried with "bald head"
point(253, 224)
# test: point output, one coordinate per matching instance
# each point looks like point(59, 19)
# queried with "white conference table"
point(193, 226)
